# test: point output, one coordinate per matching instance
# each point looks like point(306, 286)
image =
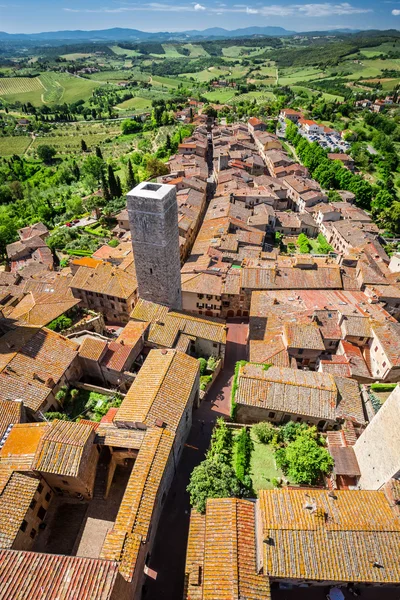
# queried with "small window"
point(58, 490)
point(41, 513)
point(65, 482)
point(215, 345)
point(384, 364)
point(47, 497)
point(32, 504)
point(271, 415)
point(40, 488)
point(24, 525)
point(376, 349)
point(151, 271)
point(33, 533)
point(300, 351)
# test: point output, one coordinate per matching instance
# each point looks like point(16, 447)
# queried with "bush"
point(383, 387)
point(304, 243)
point(304, 460)
point(242, 454)
point(62, 322)
point(239, 364)
point(212, 479)
point(264, 431)
point(212, 363)
point(324, 247)
point(221, 442)
point(204, 381)
point(203, 365)
point(50, 416)
point(113, 243)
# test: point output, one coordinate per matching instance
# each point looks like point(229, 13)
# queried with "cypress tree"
point(83, 146)
point(119, 187)
point(130, 176)
point(104, 187)
point(112, 182)
point(98, 152)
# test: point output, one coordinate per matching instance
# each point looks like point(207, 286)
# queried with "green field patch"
point(124, 51)
point(11, 144)
point(220, 95)
point(196, 50)
point(293, 75)
point(23, 89)
point(207, 74)
point(171, 82)
point(76, 55)
point(136, 103)
point(260, 97)
point(369, 68)
point(170, 51)
point(61, 87)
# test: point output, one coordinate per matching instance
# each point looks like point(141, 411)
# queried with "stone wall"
point(378, 447)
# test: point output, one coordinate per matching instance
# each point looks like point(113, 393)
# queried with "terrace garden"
point(243, 460)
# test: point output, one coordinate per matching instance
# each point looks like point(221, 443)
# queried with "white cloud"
point(199, 7)
point(396, 12)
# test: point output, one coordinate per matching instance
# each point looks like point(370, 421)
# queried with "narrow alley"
point(168, 556)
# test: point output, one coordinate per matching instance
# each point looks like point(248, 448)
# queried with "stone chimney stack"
point(223, 162)
point(153, 218)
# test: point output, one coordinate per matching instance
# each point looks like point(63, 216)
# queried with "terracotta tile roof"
point(222, 553)
point(19, 449)
point(254, 121)
point(161, 390)
point(288, 390)
point(345, 461)
point(336, 365)
point(116, 356)
point(202, 283)
point(349, 405)
point(86, 261)
point(289, 278)
point(388, 335)
point(133, 520)
point(92, 348)
point(271, 351)
point(303, 335)
point(47, 577)
point(343, 539)
point(41, 309)
point(357, 363)
point(166, 326)
point(15, 499)
point(356, 326)
point(36, 229)
point(108, 434)
point(105, 279)
point(11, 412)
point(132, 332)
point(33, 365)
point(62, 448)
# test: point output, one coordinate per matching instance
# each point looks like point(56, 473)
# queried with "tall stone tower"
point(153, 217)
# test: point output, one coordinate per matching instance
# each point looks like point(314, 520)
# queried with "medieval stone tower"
point(153, 217)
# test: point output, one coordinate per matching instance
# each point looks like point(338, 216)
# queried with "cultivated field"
point(137, 103)
point(10, 145)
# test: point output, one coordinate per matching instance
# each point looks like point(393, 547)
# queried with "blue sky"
point(29, 16)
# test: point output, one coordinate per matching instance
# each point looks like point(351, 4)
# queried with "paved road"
point(168, 556)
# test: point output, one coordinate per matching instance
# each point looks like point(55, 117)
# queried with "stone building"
point(153, 216)
point(378, 448)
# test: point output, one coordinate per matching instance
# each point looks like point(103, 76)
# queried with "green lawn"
point(263, 468)
point(207, 74)
point(261, 96)
point(221, 95)
point(136, 103)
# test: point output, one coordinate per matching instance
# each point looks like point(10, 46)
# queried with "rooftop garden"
point(83, 404)
point(244, 460)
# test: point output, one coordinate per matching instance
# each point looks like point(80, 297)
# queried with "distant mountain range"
point(118, 34)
